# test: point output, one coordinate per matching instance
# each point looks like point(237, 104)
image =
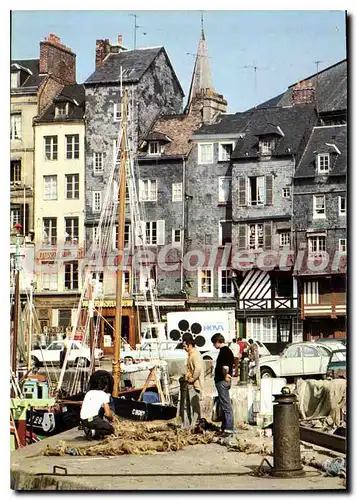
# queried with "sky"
point(283, 46)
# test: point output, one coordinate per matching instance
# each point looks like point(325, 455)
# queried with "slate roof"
point(179, 128)
point(293, 121)
point(71, 93)
point(33, 80)
point(330, 89)
point(225, 124)
point(334, 134)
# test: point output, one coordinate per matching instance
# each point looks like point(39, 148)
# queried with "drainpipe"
point(183, 218)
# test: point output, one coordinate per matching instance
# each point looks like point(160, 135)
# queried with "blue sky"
point(282, 45)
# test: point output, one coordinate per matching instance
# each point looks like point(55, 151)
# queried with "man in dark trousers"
point(222, 377)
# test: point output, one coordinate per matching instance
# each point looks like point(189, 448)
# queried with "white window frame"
point(220, 282)
point(50, 187)
point(286, 192)
point(72, 146)
point(282, 239)
point(15, 126)
point(74, 270)
point(154, 148)
point(311, 292)
point(256, 243)
point(126, 279)
point(342, 212)
point(61, 109)
point(202, 159)
point(15, 216)
point(117, 112)
point(98, 163)
point(97, 201)
point(262, 181)
point(222, 154)
point(201, 292)
point(150, 226)
point(342, 247)
point(319, 215)
point(73, 235)
point(14, 79)
point(263, 329)
point(51, 142)
point(177, 191)
point(266, 147)
point(174, 242)
point(50, 230)
point(49, 279)
point(72, 186)
point(148, 193)
point(95, 232)
point(321, 161)
point(221, 190)
point(320, 246)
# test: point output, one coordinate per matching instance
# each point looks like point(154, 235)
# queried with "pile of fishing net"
point(139, 438)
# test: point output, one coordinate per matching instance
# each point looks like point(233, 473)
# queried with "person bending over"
point(96, 404)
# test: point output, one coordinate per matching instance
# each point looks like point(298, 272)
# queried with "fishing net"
point(138, 438)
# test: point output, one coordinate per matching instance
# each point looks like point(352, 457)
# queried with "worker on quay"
point(96, 405)
point(193, 393)
point(223, 377)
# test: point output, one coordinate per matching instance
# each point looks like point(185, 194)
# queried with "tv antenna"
point(317, 86)
point(136, 27)
point(255, 68)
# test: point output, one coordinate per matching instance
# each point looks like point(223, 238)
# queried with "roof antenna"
point(255, 68)
point(135, 28)
point(317, 87)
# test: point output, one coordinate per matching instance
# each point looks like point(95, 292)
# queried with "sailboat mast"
point(120, 245)
point(16, 302)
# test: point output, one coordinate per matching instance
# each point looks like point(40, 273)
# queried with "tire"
point(82, 362)
point(36, 363)
point(267, 373)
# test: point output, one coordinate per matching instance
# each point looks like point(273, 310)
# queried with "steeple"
point(201, 89)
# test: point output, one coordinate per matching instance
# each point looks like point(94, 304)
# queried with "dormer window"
point(323, 163)
point(14, 79)
point(117, 112)
point(225, 150)
point(61, 109)
point(154, 148)
point(266, 146)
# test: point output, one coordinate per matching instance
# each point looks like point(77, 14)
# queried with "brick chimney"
point(57, 59)
point(102, 49)
point(303, 93)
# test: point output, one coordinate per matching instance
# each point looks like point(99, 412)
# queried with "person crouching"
point(96, 405)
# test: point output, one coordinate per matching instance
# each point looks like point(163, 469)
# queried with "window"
point(177, 191)
point(15, 126)
point(317, 244)
point(49, 230)
point(342, 205)
point(323, 163)
point(72, 229)
point(15, 216)
point(126, 236)
point(15, 171)
point(225, 189)
point(51, 147)
point(293, 352)
point(154, 148)
point(208, 239)
point(205, 283)
point(14, 79)
point(117, 112)
point(342, 245)
point(147, 190)
point(151, 233)
point(95, 234)
point(64, 318)
point(176, 237)
point(262, 329)
point(287, 192)
point(72, 147)
point(61, 109)
point(284, 330)
point(71, 275)
point(319, 206)
point(49, 276)
point(225, 150)
point(225, 232)
point(72, 186)
point(256, 190)
point(256, 236)
point(98, 163)
point(285, 238)
point(126, 282)
point(97, 201)
point(147, 273)
point(50, 187)
point(311, 292)
point(266, 146)
point(205, 153)
point(56, 346)
point(225, 283)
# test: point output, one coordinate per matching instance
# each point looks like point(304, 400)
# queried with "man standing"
point(235, 349)
point(222, 378)
point(191, 395)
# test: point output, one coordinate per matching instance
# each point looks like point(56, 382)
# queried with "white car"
point(78, 354)
point(301, 359)
point(165, 350)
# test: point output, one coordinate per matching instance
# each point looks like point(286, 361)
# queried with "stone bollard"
point(286, 436)
point(183, 401)
point(243, 371)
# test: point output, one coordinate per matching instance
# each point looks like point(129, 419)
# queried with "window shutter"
point(267, 235)
point(161, 232)
point(54, 317)
point(73, 316)
point(268, 189)
point(242, 191)
point(242, 237)
point(139, 232)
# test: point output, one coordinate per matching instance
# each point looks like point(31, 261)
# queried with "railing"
point(268, 303)
point(331, 305)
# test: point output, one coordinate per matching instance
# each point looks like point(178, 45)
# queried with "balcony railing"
point(270, 303)
point(332, 305)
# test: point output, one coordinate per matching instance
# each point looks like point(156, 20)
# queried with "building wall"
point(61, 207)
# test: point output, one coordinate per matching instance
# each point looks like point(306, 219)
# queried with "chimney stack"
point(120, 40)
point(102, 49)
point(57, 59)
point(303, 93)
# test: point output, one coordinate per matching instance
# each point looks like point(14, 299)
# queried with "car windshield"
point(338, 356)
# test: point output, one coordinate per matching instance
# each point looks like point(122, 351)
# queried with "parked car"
point(302, 359)
point(78, 354)
point(332, 341)
point(336, 367)
point(166, 350)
